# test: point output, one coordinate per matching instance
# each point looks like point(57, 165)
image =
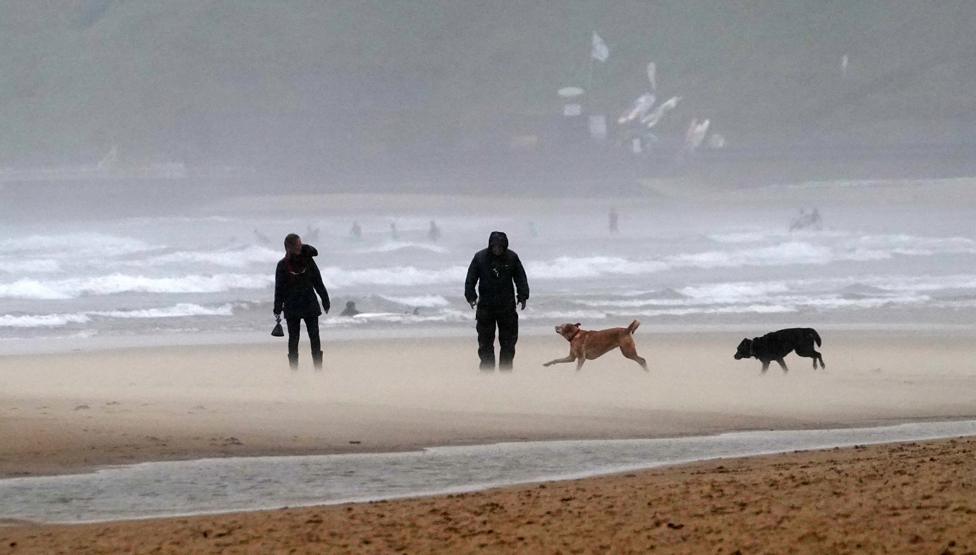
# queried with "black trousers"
point(295, 332)
point(507, 322)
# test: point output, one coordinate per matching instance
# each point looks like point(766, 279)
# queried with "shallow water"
point(250, 483)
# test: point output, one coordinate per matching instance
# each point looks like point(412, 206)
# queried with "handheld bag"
point(277, 331)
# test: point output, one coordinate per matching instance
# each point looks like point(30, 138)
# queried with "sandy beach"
point(901, 498)
point(74, 411)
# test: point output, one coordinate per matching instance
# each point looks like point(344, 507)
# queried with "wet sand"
point(72, 412)
point(902, 498)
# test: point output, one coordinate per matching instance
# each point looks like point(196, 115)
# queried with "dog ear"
point(577, 324)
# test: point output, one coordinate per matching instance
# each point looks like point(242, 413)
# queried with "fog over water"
point(155, 154)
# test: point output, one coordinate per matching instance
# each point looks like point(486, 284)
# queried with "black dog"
point(778, 344)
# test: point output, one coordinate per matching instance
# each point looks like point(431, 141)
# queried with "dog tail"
point(633, 326)
point(816, 336)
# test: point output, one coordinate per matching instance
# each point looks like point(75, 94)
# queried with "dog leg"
point(570, 358)
point(809, 353)
point(782, 365)
point(822, 365)
point(765, 366)
point(630, 351)
point(579, 363)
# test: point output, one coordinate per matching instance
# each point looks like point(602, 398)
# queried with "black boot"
point(317, 360)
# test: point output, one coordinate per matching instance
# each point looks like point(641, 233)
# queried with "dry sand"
point(70, 412)
point(902, 498)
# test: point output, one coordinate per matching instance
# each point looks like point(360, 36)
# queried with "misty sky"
point(301, 87)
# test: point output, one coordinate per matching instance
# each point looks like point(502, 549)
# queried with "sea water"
point(210, 270)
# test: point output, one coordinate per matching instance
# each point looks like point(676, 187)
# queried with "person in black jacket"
point(297, 279)
point(497, 272)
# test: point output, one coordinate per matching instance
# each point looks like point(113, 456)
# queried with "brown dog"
point(588, 345)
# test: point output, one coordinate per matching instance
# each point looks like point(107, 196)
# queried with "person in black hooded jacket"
point(297, 279)
point(496, 272)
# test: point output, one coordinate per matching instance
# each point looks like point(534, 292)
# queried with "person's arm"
point(471, 281)
point(279, 293)
point(320, 286)
point(521, 282)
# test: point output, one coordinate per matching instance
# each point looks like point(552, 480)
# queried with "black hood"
point(301, 260)
point(498, 238)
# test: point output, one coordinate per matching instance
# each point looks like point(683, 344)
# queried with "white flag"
point(638, 109)
point(650, 120)
point(600, 51)
point(696, 133)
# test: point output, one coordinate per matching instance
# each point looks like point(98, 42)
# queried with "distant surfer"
point(350, 309)
point(434, 233)
point(614, 221)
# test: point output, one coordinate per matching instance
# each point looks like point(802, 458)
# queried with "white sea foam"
point(419, 301)
point(734, 292)
point(442, 316)
point(910, 245)
point(581, 315)
point(394, 246)
point(922, 283)
point(61, 320)
point(76, 244)
point(231, 258)
point(404, 276)
point(838, 245)
point(775, 234)
point(41, 320)
point(833, 303)
point(783, 254)
point(29, 266)
point(180, 310)
point(566, 267)
point(123, 283)
point(632, 303)
point(787, 253)
point(31, 289)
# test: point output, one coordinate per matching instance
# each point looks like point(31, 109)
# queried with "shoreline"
point(356, 449)
point(618, 457)
point(856, 499)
